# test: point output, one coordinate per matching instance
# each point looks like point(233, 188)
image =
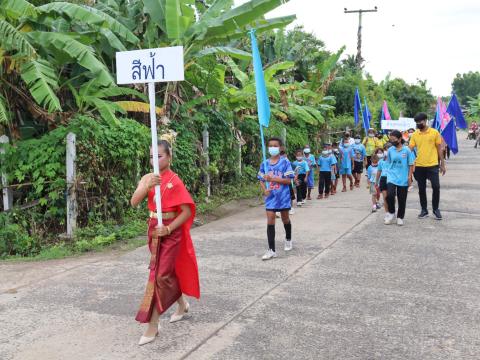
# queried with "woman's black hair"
point(280, 142)
point(166, 146)
point(398, 135)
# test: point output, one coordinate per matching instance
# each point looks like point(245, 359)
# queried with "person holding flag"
point(429, 163)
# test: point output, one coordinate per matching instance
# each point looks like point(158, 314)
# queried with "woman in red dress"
point(173, 265)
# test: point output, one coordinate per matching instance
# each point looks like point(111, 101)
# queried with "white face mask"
point(325, 152)
point(306, 151)
point(357, 141)
point(299, 158)
point(380, 155)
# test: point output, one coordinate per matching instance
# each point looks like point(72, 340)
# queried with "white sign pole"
point(151, 66)
point(153, 126)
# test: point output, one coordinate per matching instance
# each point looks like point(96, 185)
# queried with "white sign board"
point(401, 124)
point(150, 65)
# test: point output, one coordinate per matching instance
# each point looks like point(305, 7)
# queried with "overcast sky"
point(422, 39)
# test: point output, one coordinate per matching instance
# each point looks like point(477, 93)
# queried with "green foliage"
point(466, 85)
point(14, 239)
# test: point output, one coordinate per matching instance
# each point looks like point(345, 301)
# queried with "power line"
point(359, 59)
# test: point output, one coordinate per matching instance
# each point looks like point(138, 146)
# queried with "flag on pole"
point(455, 111)
point(450, 136)
point(437, 119)
point(445, 116)
point(367, 116)
point(263, 104)
point(385, 112)
point(357, 107)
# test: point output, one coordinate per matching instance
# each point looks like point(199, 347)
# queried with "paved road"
point(351, 289)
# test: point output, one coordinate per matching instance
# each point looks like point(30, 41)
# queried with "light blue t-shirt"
point(360, 152)
point(310, 159)
point(382, 166)
point(326, 162)
point(279, 197)
point(300, 167)
point(346, 156)
point(372, 173)
point(398, 165)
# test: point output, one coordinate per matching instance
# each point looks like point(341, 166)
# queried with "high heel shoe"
point(147, 339)
point(176, 317)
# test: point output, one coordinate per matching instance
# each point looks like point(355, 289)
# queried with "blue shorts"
point(345, 171)
point(310, 181)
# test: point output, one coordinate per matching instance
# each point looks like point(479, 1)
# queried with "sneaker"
point(437, 215)
point(374, 208)
point(292, 211)
point(288, 245)
point(399, 222)
point(423, 214)
point(270, 254)
point(386, 216)
point(389, 219)
point(303, 202)
point(378, 206)
point(299, 204)
point(277, 215)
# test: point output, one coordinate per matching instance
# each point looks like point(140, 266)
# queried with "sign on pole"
point(151, 66)
point(401, 124)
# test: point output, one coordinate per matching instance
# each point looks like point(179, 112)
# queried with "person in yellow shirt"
point(371, 143)
point(429, 163)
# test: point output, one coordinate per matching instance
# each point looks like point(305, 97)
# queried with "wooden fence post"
point(284, 136)
point(6, 191)
point(239, 172)
point(71, 187)
point(205, 136)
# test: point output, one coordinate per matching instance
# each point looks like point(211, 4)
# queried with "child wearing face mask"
point(382, 174)
point(310, 159)
point(301, 170)
point(335, 175)
point(284, 155)
point(326, 164)
point(275, 175)
point(359, 160)
point(346, 164)
point(372, 182)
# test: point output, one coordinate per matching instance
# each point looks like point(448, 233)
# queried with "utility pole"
point(359, 58)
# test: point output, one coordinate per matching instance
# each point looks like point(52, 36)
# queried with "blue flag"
point(357, 107)
point(437, 120)
point(263, 104)
point(455, 111)
point(367, 116)
point(450, 136)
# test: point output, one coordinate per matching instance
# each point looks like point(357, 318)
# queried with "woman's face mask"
point(380, 155)
point(325, 152)
point(306, 150)
point(357, 141)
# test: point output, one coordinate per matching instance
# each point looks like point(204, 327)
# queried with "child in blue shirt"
point(335, 175)
point(311, 164)
point(346, 164)
point(326, 163)
point(301, 170)
point(372, 181)
point(275, 175)
point(382, 173)
point(360, 160)
point(399, 177)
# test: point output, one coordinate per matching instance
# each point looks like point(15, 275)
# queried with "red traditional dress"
point(173, 265)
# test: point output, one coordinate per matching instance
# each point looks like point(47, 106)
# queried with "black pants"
point(401, 193)
point(421, 175)
point(324, 182)
point(301, 188)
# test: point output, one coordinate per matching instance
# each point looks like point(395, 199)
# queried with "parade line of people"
point(389, 163)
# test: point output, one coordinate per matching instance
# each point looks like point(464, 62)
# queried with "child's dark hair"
point(299, 151)
point(374, 158)
point(280, 142)
point(166, 146)
point(398, 135)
